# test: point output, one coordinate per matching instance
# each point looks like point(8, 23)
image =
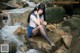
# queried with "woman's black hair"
point(41, 6)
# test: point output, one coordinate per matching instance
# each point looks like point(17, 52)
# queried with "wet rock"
point(1, 23)
point(19, 31)
point(13, 48)
point(19, 15)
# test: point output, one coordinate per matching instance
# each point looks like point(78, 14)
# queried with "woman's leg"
point(42, 30)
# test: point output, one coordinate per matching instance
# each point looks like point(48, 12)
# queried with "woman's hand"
point(44, 23)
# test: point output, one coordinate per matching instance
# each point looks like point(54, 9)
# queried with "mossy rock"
point(54, 14)
point(1, 4)
point(13, 47)
point(25, 5)
point(76, 11)
point(73, 23)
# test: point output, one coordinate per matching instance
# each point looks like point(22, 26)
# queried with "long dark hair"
point(41, 6)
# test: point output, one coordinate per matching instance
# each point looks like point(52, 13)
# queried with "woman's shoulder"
point(32, 15)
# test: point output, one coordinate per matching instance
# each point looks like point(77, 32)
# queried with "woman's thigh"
point(35, 31)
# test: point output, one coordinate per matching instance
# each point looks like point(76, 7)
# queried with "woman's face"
point(40, 11)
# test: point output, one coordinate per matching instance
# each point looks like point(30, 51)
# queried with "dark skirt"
point(29, 29)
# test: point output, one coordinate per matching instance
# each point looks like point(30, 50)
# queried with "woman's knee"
point(40, 26)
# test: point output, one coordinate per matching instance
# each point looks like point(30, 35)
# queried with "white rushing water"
point(30, 51)
point(7, 33)
point(31, 4)
point(33, 51)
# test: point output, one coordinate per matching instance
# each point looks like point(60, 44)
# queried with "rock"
point(19, 31)
point(19, 15)
point(40, 43)
point(67, 40)
point(74, 24)
point(12, 47)
point(62, 49)
point(54, 14)
point(14, 3)
point(60, 32)
point(51, 27)
point(24, 48)
point(1, 23)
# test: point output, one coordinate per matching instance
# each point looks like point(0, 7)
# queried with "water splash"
point(31, 4)
point(7, 34)
point(33, 51)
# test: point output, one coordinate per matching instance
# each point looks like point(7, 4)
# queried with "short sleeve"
point(33, 18)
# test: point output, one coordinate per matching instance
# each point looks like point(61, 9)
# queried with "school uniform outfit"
point(32, 24)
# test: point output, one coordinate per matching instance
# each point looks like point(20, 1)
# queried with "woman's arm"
point(36, 20)
point(42, 21)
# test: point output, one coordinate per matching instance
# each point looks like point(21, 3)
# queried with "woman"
point(36, 23)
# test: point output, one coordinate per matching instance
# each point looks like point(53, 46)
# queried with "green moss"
point(54, 14)
point(26, 5)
